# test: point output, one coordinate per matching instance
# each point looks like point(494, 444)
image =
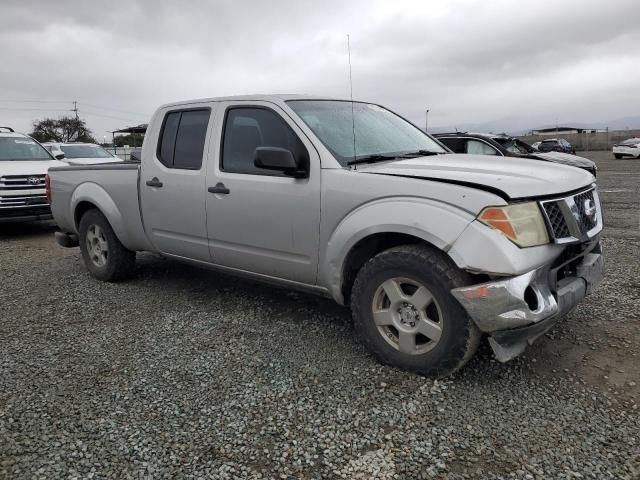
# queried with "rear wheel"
point(103, 254)
point(405, 314)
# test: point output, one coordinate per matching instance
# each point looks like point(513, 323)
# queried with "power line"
point(35, 109)
point(87, 112)
point(75, 102)
point(34, 101)
point(113, 109)
point(58, 110)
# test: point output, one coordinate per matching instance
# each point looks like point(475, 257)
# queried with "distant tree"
point(63, 129)
point(130, 139)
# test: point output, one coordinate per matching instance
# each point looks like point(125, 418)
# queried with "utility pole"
point(75, 108)
point(426, 121)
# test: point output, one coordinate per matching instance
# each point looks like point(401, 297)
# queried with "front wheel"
point(103, 254)
point(617, 156)
point(403, 310)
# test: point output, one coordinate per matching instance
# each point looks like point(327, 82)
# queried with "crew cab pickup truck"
point(431, 250)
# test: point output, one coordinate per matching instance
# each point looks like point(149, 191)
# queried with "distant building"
point(555, 131)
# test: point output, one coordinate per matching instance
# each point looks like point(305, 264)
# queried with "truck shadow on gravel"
point(14, 231)
point(202, 282)
point(297, 308)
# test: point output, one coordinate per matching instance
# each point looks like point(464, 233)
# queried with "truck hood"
point(509, 177)
point(33, 167)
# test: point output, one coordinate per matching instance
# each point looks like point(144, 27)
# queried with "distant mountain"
point(521, 126)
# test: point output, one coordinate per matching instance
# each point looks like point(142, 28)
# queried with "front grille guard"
point(575, 218)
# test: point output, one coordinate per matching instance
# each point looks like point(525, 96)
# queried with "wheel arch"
point(367, 248)
point(367, 231)
point(89, 196)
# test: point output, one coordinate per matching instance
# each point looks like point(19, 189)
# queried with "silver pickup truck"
point(431, 250)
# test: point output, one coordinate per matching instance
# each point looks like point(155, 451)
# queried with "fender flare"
point(96, 195)
point(437, 223)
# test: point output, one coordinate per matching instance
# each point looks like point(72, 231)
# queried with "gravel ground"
point(184, 373)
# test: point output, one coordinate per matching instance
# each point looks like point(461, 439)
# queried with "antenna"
point(75, 109)
point(353, 121)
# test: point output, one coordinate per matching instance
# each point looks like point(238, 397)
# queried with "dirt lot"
point(184, 373)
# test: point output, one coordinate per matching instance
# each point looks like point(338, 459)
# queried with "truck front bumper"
point(516, 311)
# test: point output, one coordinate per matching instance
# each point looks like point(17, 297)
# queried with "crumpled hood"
point(28, 167)
point(513, 177)
point(565, 159)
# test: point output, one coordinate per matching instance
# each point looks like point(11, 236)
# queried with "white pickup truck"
point(431, 250)
point(23, 166)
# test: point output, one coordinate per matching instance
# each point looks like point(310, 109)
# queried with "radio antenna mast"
point(353, 121)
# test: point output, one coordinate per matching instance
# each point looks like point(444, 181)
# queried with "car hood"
point(90, 161)
point(565, 159)
point(28, 167)
point(509, 177)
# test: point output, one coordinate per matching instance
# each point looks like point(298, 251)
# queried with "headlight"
point(522, 223)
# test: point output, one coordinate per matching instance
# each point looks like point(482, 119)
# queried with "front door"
point(173, 182)
point(259, 220)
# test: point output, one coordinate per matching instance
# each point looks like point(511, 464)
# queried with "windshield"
point(21, 148)
point(85, 151)
point(631, 141)
point(514, 146)
point(377, 130)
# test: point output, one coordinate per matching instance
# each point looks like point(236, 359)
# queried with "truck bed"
point(112, 188)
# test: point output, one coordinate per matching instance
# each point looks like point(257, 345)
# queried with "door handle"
point(154, 182)
point(219, 188)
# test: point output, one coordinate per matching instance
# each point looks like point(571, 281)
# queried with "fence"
point(588, 140)
point(123, 152)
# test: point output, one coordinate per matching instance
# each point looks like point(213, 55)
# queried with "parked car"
point(81, 153)
point(506, 146)
point(556, 145)
point(535, 145)
point(429, 249)
point(628, 148)
point(23, 165)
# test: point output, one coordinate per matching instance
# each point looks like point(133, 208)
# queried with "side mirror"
point(135, 157)
point(280, 159)
point(59, 156)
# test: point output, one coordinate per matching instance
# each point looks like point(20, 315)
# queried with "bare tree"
point(63, 129)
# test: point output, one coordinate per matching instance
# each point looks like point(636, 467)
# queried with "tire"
point(617, 156)
point(426, 272)
point(103, 254)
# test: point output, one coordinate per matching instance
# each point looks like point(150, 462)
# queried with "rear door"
point(262, 221)
point(172, 183)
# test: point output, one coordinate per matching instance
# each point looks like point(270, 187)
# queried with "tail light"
point(47, 188)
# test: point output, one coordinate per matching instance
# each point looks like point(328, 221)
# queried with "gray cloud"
point(469, 61)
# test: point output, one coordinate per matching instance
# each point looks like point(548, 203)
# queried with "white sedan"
point(80, 153)
point(628, 148)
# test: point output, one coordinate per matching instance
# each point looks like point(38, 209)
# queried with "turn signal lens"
point(522, 223)
point(47, 188)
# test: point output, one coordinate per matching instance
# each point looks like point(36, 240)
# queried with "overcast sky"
point(517, 64)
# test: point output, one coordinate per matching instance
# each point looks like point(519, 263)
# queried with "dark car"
point(556, 145)
point(507, 146)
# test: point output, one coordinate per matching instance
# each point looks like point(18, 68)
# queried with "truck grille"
point(21, 182)
point(16, 201)
point(574, 218)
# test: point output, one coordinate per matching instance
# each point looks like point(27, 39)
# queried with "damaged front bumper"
point(516, 311)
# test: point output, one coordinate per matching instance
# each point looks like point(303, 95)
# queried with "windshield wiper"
point(419, 153)
point(371, 159)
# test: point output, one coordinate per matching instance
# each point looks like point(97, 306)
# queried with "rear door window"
point(455, 144)
point(182, 139)
point(477, 147)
